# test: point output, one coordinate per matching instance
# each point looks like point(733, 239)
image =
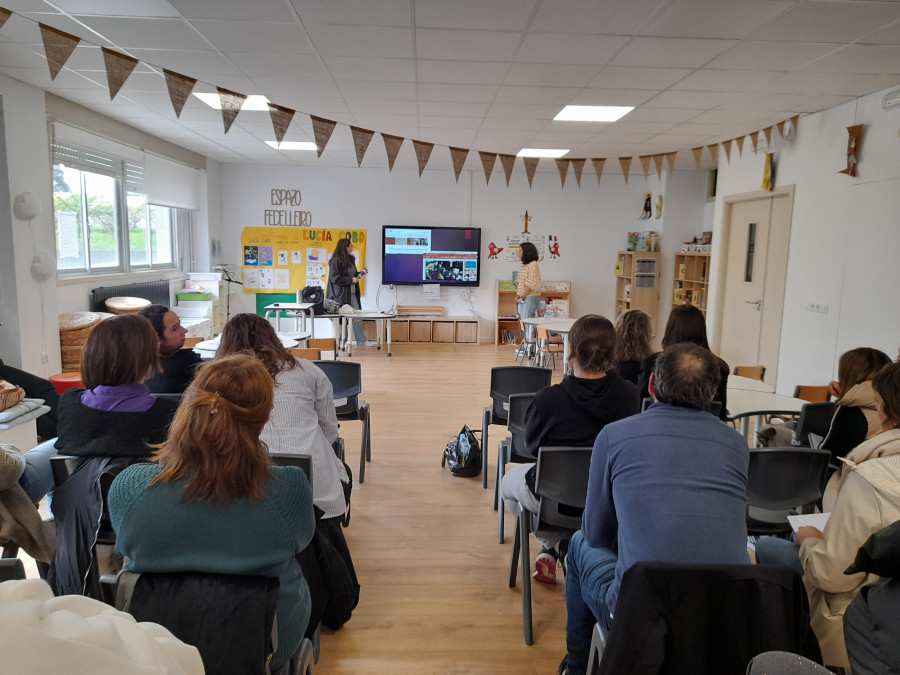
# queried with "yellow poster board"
point(287, 259)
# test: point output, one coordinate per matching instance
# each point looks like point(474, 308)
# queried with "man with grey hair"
point(669, 484)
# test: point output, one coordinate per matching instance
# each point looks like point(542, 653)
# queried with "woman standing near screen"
point(343, 283)
point(528, 283)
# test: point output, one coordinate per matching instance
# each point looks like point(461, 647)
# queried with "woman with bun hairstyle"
point(571, 413)
point(177, 363)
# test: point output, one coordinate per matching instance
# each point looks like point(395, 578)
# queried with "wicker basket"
point(10, 394)
point(74, 329)
point(126, 305)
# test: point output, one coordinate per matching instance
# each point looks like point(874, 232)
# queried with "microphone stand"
point(229, 279)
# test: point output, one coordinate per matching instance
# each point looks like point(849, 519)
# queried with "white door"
point(756, 233)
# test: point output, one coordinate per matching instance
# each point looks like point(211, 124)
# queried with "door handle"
point(758, 304)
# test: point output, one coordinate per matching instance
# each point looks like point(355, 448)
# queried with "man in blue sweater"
point(668, 484)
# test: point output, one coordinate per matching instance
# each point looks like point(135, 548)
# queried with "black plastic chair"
point(815, 418)
point(561, 485)
point(506, 380)
point(11, 568)
point(346, 381)
point(303, 461)
point(511, 449)
point(780, 480)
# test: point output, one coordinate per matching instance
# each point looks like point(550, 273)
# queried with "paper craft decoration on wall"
point(646, 213)
point(493, 251)
point(553, 246)
point(853, 142)
point(768, 181)
point(514, 243)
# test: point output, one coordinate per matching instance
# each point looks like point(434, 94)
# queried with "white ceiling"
point(481, 74)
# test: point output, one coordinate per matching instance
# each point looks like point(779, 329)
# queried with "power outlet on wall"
point(820, 307)
point(45, 357)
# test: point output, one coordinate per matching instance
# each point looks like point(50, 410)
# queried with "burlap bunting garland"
point(361, 140)
point(281, 120)
point(322, 130)
point(577, 168)
point(58, 47)
point(657, 162)
point(458, 157)
point(562, 165)
point(754, 140)
point(118, 68)
point(713, 151)
point(645, 164)
point(698, 154)
point(625, 163)
point(392, 147)
point(598, 167)
point(231, 105)
point(487, 161)
point(768, 134)
point(4, 16)
point(670, 160)
point(530, 167)
point(507, 162)
point(423, 152)
point(794, 122)
point(740, 142)
point(780, 127)
point(726, 146)
point(180, 87)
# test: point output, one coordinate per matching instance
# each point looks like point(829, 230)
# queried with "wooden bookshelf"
point(555, 297)
point(637, 284)
point(691, 285)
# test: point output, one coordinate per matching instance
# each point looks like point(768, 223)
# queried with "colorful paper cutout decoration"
point(458, 157)
point(598, 167)
point(231, 105)
point(180, 88)
point(577, 168)
point(562, 165)
point(625, 163)
point(659, 199)
point(646, 213)
point(553, 247)
point(58, 47)
point(507, 162)
point(493, 251)
point(118, 68)
point(423, 153)
point(487, 162)
point(526, 219)
point(4, 16)
point(767, 173)
point(392, 147)
point(281, 120)
point(361, 140)
point(530, 167)
point(322, 130)
point(855, 138)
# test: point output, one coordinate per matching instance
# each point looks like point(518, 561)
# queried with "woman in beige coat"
point(866, 499)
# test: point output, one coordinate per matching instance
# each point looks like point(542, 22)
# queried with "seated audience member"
point(35, 387)
point(303, 419)
point(177, 364)
point(866, 500)
point(686, 324)
point(669, 484)
point(20, 522)
point(632, 344)
point(213, 503)
point(571, 413)
point(109, 425)
point(855, 418)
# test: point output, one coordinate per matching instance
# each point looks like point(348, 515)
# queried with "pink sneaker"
point(545, 569)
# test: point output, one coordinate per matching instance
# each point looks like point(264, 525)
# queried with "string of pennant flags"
point(59, 46)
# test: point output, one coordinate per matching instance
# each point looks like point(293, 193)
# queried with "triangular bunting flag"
point(577, 168)
point(698, 154)
point(281, 120)
point(645, 164)
point(118, 68)
point(754, 140)
point(562, 165)
point(458, 157)
point(231, 105)
point(58, 47)
point(768, 133)
point(180, 87)
point(322, 129)
point(726, 146)
point(508, 162)
point(361, 140)
point(487, 161)
point(625, 163)
point(530, 167)
point(794, 122)
point(657, 162)
point(713, 151)
point(392, 146)
point(4, 16)
point(780, 127)
point(670, 160)
point(598, 167)
point(740, 142)
point(423, 152)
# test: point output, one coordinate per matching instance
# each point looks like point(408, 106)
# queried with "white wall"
point(845, 237)
point(592, 221)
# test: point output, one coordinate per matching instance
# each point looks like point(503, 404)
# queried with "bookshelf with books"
point(637, 283)
point(554, 302)
point(691, 285)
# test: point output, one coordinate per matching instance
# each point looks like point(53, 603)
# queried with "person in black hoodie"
point(571, 413)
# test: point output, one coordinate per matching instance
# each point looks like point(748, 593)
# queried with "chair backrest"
point(814, 418)
point(813, 393)
point(191, 342)
point(303, 461)
point(506, 380)
point(544, 341)
point(669, 618)
point(322, 344)
point(523, 332)
point(753, 372)
point(518, 406)
point(171, 396)
point(63, 466)
point(784, 478)
point(561, 483)
point(308, 353)
point(345, 377)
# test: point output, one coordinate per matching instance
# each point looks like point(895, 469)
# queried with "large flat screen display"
point(450, 256)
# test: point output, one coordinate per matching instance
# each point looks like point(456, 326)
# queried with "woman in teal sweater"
point(214, 503)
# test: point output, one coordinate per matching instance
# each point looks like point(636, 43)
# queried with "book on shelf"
point(558, 308)
point(554, 287)
point(507, 287)
point(508, 317)
point(681, 270)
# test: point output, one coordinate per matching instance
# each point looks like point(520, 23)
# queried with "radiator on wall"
point(156, 292)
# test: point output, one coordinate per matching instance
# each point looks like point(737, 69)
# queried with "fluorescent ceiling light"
point(540, 152)
point(592, 113)
point(253, 101)
point(292, 145)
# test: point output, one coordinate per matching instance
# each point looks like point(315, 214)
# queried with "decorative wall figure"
point(853, 142)
point(658, 207)
point(553, 248)
point(493, 251)
point(646, 213)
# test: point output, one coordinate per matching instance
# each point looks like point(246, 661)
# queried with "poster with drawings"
point(514, 242)
point(296, 257)
point(251, 278)
point(282, 258)
point(266, 279)
point(282, 279)
point(316, 267)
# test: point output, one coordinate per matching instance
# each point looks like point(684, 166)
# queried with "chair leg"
point(364, 418)
point(485, 423)
point(368, 423)
point(524, 532)
point(598, 644)
point(498, 502)
point(514, 554)
point(500, 455)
